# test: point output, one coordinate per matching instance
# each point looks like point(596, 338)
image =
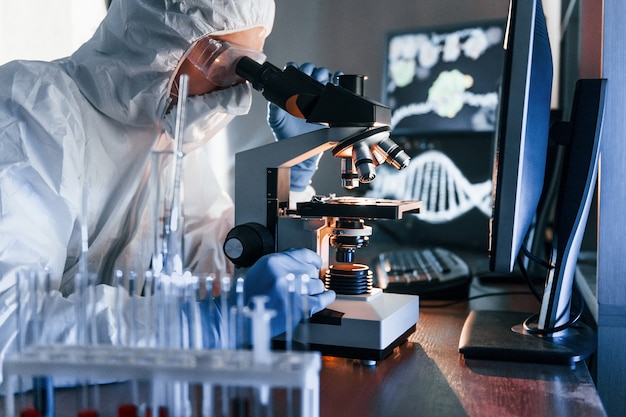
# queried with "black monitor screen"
point(444, 79)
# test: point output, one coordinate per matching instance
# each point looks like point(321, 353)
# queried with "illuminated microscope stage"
point(362, 326)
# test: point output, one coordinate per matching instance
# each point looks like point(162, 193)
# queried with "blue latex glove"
point(284, 126)
point(268, 277)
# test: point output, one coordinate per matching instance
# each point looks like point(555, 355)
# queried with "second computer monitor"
point(442, 84)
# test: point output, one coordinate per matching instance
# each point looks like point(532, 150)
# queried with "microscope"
point(363, 323)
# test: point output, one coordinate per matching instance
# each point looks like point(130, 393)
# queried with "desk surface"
point(426, 375)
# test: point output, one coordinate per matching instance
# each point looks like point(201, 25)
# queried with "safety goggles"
point(217, 59)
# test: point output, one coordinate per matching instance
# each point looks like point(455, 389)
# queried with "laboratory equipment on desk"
point(169, 372)
point(363, 323)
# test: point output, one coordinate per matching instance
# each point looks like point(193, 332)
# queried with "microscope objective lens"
point(363, 162)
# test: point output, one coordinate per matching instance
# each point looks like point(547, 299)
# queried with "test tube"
point(238, 395)
point(118, 282)
point(178, 395)
point(132, 295)
point(290, 323)
point(159, 309)
point(80, 282)
point(148, 293)
point(82, 310)
point(209, 283)
point(92, 281)
point(195, 322)
point(207, 389)
point(132, 325)
point(177, 331)
point(289, 311)
point(43, 391)
point(20, 320)
point(238, 321)
point(47, 300)
point(224, 295)
point(304, 292)
point(224, 327)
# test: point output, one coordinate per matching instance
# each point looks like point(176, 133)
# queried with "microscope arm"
point(262, 173)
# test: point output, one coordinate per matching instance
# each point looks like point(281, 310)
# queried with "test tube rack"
point(292, 370)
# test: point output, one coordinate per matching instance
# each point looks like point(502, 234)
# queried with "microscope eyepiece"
point(250, 70)
point(290, 89)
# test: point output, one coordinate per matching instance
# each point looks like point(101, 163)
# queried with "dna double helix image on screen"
point(433, 178)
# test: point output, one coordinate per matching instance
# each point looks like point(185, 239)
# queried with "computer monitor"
point(518, 184)
point(441, 84)
point(443, 79)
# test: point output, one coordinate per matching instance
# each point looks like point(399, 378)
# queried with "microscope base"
point(361, 327)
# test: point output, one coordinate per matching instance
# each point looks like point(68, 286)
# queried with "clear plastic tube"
point(149, 294)
point(119, 305)
point(289, 311)
point(207, 389)
point(80, 289)
point(240, 318)
point(224, 295)
point(193, 312)
point(174, 225)
point(304, 292)
point(132, 328)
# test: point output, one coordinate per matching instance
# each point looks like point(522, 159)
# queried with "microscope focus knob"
point(246, 243)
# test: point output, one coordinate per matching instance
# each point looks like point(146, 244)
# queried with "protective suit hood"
point(125, 70)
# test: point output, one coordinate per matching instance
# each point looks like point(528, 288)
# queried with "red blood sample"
point(87, 413)
point(127, 410)
point(30, 412)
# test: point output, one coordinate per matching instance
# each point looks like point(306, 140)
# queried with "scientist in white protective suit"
point(90, 121)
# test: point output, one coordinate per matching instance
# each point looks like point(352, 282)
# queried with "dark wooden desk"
point(428, 377)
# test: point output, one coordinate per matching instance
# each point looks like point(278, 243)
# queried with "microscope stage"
point(360, 327)
point(358, 207)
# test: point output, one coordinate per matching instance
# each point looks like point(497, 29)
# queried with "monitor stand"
point(500, 335)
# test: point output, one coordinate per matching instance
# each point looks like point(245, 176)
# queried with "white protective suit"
point(90, 121)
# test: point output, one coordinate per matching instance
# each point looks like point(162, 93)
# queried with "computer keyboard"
point(431, 273)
